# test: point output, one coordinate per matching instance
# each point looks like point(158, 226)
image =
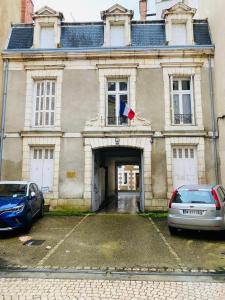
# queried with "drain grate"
point(34, 242)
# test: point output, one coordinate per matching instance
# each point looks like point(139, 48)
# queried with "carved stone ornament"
point(99, 122)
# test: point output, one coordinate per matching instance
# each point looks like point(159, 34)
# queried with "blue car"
point(20, 202)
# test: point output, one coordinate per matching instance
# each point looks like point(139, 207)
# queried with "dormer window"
point(117, 35)
point(179, 34)
point(47, 37)
point(47, 28)
point(117, 26)
point(179, 24)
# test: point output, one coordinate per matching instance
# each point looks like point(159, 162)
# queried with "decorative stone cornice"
point(44, 67)
point(116, 10)
point(118, 66)
point(181, 64)
point(179, 9)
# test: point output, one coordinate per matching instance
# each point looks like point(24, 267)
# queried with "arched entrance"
point(100, 152)
point(117, 180)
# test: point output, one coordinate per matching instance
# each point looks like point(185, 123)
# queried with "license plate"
point(193, 212)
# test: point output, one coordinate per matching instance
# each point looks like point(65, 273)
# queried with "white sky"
point(86, 10)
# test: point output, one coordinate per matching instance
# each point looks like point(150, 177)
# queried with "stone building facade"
point(66, 83)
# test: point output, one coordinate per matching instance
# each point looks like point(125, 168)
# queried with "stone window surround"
point(199, 143)
point(183, 70)
point(52, 22)
point(43, 73)
point(98, 143)
point(28, 144)
point(113, 21)
point(116, 72)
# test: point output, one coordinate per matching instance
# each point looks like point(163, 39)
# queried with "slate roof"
point(91, 35)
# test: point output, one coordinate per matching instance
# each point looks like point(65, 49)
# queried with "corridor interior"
point(117, 180)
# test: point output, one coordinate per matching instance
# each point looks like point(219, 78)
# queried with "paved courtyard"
point(56, 289)
point(108, 241)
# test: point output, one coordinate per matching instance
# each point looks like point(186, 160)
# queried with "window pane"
point(187, 116)
point(186, 85)
point(175, 85)
point(180, 153)
point(38, 89)
point(52, 118)
point(186, 153)
point(53, 104)
point(53, 88)
point(192, 153)
point(47, 103)
point(123, 109)
point(46, 153)
point(37, 104)
point(174, 153)
point(123, 86)
point(40, 154)
point(48, 88)
point(111, 109)
point(111, 86)
point(51, 153)
point(46, 118)
point(35, 154)
point(36, 118)
point(176, 109)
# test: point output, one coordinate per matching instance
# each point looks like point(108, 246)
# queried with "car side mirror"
point(32, 194)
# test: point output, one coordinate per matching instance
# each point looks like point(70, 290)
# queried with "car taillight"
point(172, 198)
point(216, 199)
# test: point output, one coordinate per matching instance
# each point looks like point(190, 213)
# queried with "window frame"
point(180, 93)
point(117, 92)
point(44, 111)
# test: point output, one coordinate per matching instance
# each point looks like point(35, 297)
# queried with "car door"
point(33, 199)
point(38, 195)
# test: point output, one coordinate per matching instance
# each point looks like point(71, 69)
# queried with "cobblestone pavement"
point(57, 289)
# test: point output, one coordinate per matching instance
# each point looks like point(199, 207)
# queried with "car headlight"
point(16, 209)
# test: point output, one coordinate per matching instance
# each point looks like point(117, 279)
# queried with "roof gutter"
point(4, 100)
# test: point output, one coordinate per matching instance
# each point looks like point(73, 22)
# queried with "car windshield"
point(13, 190)
point(204, 197)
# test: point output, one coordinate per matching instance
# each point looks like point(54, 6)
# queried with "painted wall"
point(80, 98)
point(150, 97)
point(16, 99)
point(71, 170)
point(12, 163)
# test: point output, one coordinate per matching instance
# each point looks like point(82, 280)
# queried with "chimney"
point(27, 9)
point(143, 9)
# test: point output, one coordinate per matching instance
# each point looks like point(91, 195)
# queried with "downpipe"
point(4, 100)
point(213, 122)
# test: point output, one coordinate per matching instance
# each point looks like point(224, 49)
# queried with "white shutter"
point(117, 36)
point(179, 34)
point(47, 37)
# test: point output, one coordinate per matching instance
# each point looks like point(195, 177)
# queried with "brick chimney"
point(143, 9)
point(27, 9)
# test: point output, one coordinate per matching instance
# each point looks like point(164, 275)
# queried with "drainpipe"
point(4, 99)
point(213, 120)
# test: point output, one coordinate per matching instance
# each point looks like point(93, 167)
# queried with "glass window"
point(13, 190)
point(204, 197)
point(182, 102)
point(117, 97)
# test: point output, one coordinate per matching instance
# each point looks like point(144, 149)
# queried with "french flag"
point(125, 111)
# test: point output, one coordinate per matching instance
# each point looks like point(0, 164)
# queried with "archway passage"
point(117, 180)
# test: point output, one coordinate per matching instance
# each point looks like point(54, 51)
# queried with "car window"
point(190, 196)
point(35, 187)
point(31, 189)
point(14, 190)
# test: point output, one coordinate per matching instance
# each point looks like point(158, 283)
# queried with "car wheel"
point(172, 230)
point(41, 212)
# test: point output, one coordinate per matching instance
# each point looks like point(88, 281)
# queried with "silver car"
point(198, 207)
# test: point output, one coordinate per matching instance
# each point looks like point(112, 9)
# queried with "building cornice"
point(106, 54)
